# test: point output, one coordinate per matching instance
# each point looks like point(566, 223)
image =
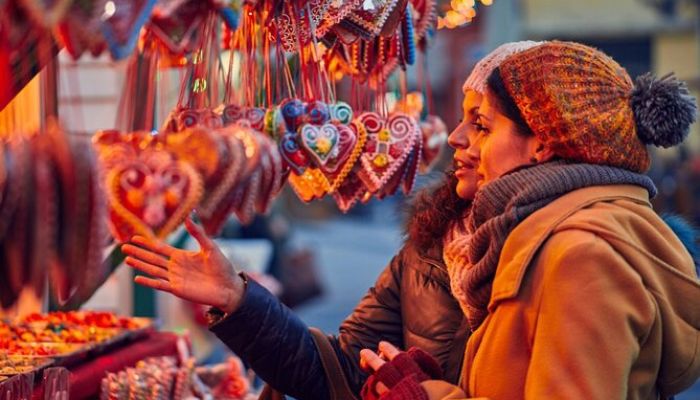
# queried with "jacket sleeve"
point(593, 313)
point(276, 344)
point(377, 317)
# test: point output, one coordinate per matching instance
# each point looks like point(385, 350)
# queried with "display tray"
point(16, 364)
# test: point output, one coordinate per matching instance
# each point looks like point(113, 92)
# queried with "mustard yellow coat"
point(594, 298)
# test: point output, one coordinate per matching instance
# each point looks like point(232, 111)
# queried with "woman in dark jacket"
point(410, 304)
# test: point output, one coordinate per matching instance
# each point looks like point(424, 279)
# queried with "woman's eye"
point(480, 128)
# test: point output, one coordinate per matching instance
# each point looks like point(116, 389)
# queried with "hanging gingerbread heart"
point(122, 25)
point(235, 163)
point(231, 113)
point(411, 168)
point(256, 117)
point(292, 111)
point(337, 10)
point(176, 24)
point(151, 196)
point(293, 155)
point(424, 17)
point(349, 150)
point(275, 125)
point(239, 200)
point(80, 28)
point(320, 142)
point(88, 226)
point(244, 205)
point(202, 148)
point(316, 112)
point(368, 22)
point(434, 135)
point(310, 185)
point(388, 145)
point(341, 112)
point(269, 191)
point(349, 192)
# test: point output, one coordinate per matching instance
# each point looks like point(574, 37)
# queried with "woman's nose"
point(458, 138)
point(474, 150)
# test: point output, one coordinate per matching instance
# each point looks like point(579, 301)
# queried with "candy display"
point(63, 334)
point(162, 378)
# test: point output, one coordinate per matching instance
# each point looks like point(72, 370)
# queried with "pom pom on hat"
point(477, 79)
point(663, 110)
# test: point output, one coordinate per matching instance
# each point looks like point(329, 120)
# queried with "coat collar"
point(529, 236)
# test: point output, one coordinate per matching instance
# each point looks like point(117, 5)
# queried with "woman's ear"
point(542, 153)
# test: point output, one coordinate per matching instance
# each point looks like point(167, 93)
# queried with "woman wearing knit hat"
point(281, 349)
point(575, 288)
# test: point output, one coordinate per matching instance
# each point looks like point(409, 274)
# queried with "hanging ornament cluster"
point(461, 12)
point(154, 181)
point(115, 25)
point(433, 129)
point(52, 215)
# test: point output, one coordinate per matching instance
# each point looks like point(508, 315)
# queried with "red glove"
point(402, 376)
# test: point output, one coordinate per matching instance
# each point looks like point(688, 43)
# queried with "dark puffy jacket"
point(409, 305)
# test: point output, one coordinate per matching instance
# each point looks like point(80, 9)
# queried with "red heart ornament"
point(121, 28)
point(320, 142)
point(349, 192)
point(411, 168)
point(350, 145)
point(434, 137)
point(292, 153)
point(176, 24)
point(237, 200)
point(80, 28)
point(387, 147)
point(275, 166)
point(151, 196)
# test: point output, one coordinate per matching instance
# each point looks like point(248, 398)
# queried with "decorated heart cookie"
point(341, 112)
point(317, 112)
point(151, 196)
point(411, 168)
point(349, 192)
point(354, 144)
point(293, 155)
point(388, 145)
point(121, 29)
point(310, 185)
point(214, 200)
point(80, 28)
point(176, 24)
point(320, 142)
point(434, 135)
point(292, 111)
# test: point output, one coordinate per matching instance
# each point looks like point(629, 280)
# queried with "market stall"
point(310, 94)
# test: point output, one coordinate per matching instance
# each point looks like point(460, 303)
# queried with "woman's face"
point(499, 147)
point(459, 139)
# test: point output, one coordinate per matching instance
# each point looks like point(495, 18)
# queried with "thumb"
point(198, 234)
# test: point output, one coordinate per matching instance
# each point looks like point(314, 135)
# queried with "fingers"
point(371, 359)
point(381, 388)
point(388, 350)
point(145, 255)
point(154, 245)
point(198, 233)
point(157, 284)
point(147, 268)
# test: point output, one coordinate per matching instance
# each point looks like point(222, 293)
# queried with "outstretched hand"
point(205, 276)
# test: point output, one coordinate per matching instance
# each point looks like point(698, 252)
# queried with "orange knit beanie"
point(583, 105)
